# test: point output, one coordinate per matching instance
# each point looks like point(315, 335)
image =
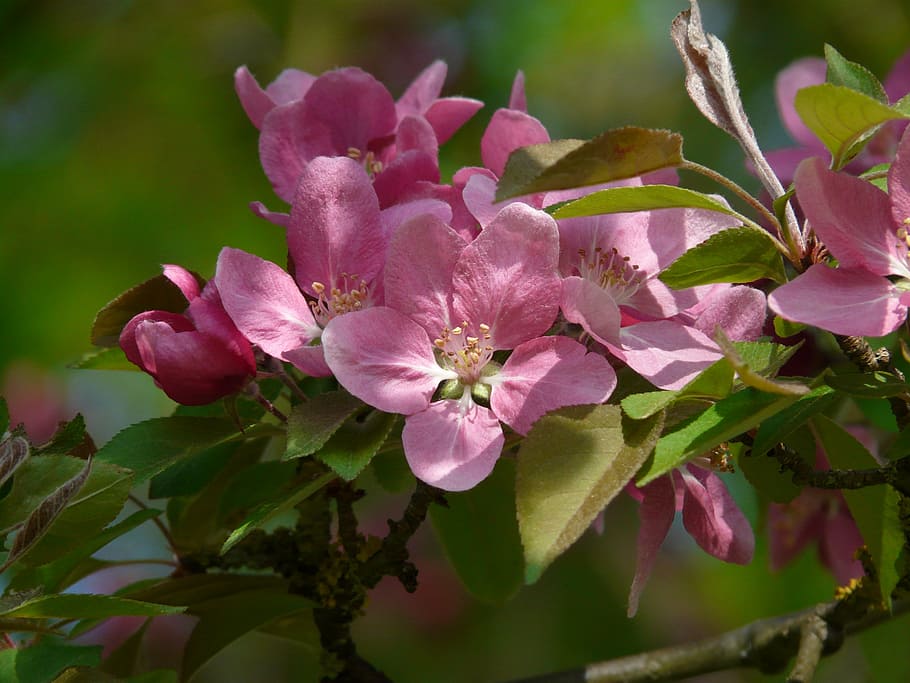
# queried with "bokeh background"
point(122, 147)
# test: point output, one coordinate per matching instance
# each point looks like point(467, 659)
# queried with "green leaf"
point(563, 164)
point(255, 485)
point(35, 480)
point(786, 328)
point(86, 606)
point(271, 509)
point(351, 448)
point(311, 424)
point(479, 533)
point(42, 661)
point(877, 384)
point(572, 463)
point(151, 446)
point(778, 427)
point(841, 118)
point(764, 473)
point(765, 358)
point(57, 575)
point(726, 419)
point(123, 660)
point(224, 620)
point(736, 255)
point(191, 474)
point(713, 382)
point(640, 406)
point(640, 198)
point(874, 508)
point(196, 590)
point(756, 379)
point(155, 294)
point(67, 438)
point(392, 471)
point(855, 76)
point(4, 416)
point(110, 358)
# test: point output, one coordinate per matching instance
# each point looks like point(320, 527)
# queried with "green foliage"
point(640, 198)
point(563, 164)
point(44, 660)
point(354, 444)
point(779, 427)
point(479, 533)
point(311, 424)
point(877, 384)
point(714, 382)
point(109, 358)
point(86, 606)
point(855, 76)
point(573, 462)
point(736, 255)
point(842, 118)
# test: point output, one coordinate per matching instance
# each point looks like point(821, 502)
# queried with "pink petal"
point(402, 177)
point(712, 517)
point(507, 279)
point(800, 74)
point(422, 91)
point(656, 512)
point(448, 114)
point(176, 321)
point(740, 312)
point(586, 304)
point(508, 130)
point(452, 445)
point(283, 151)
point(545, 374)
point(384, 359)
point(838, 544)
point(310, 360)
point(841, 300)
point(666, 353)
point(792, 526)
point(786, 160)
point(419, 270)
point(897, 84)
point(256, 103)
point(276, 217)
point(264, 303)
point(335, 229)
point(853, 219)
point(899, 184)
point(289, 86)
point(184, 279)
point(478, 196)
point(397, 214)
point(517, 99)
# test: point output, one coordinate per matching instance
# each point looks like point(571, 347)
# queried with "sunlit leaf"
point(354, 444)
point(877, 384)
point(640, 198)
point(842, 71)
point(311, 424)
point(778, 427)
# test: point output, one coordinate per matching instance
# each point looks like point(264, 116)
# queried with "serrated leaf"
point(43, 660)
point(739, 254)
point(640, 198)
point(841, 117)
point(778, 427)
point(729, 417)
point(151, 446)
point(715, 381)
point(155, 294)
point(765, 358)
point(351, 448)
point(640, 406)
point(877, 384)
point(754, 378)
point(191, 474)
point(563, 164)
point(571, 465)
point(196, 590)
point(479, 533)
point(787, 328)
point(311, 424)
point(224, 620)
point(14, 450)
point(842, 71)
point(874, 508)
point(253, 486)
point(87, 606)
point(764, 473)
point(267, 511)
point(392, 471)
point(39, 521)
point(109, 358)
point(68, 437)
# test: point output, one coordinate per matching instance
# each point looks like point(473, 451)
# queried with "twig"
point(813, 635)
point(158, 523)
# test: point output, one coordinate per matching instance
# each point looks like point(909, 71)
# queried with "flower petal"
point(656, 512)
point(841, 300)
point(592, 307)
point(666, 353)
point(452, 445)
point(545, 374)
point(800, 74)
point(384, 358)
point(740, 312)
point(712, 517)
point(448, 114)
point(507, 131)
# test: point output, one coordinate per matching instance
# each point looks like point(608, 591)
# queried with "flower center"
point(372, 165)
point(610, 271)
point(330, 303)
point(463, 353)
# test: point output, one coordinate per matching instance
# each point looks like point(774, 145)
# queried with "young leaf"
point(752, 378)
point(640, 198)
point(155, 294)
point(765, 358)
point(39, 521)
point(68, 437)
point(311, 424)
point(841, 117)
point(44, 660)
point(351, 448)
point(727, 418)
point(778, 427)
point(479, 533)
point(563, 164)
point(640, 406)
point(13, 452)
point(109, 358)
point(87, 606)
point(270, 509)
point(571, 465)
point(877, 384)
point(874, 508)
point(855, 76)
point(151, 446)
point(786, 328)
point(736, 255)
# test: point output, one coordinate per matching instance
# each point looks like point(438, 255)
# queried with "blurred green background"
point(122, 147)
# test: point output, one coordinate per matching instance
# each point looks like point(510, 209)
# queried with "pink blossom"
point(195, 357)
point(865, 229)
point(450, 306)
point(710, 515)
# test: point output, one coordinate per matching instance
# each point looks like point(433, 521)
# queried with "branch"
point(896, 473)
point(766, 645)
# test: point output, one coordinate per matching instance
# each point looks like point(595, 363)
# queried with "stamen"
point(465, 353)
point(339, 301)
point(611, 271)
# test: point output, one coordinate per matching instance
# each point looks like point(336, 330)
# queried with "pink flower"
point(450, 306)
point(710, 515)
point(196, 357)
point(866, 230)
point(337, 241)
